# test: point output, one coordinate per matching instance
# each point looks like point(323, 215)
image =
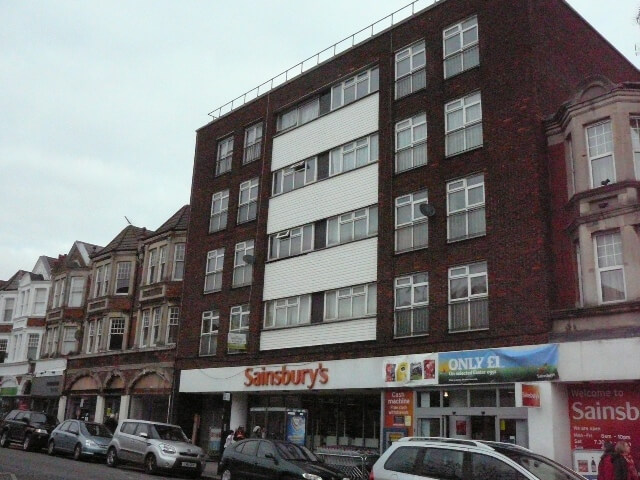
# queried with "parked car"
point(27, 427)
point(82, 439)
point(156, 446)
point(273, 459)
point(437, 458)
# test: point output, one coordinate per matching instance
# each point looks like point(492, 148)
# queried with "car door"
point(266, 467)
point(20, 426)
point(139, 442)
point(124, 438)
point(71, 436)
point(58, 436)
point(246, 466)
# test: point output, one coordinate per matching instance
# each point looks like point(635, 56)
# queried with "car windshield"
point(168, 432)
point(42, 418)
point(542, 467)
point(96, 430)
point(291, 451)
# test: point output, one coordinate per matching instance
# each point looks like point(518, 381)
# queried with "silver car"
point(156, 446)
point(82, 439)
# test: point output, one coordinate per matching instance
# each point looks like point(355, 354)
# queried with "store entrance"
point(483, 428)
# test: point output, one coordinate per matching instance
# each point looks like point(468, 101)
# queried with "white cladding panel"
point(350, 264)
point(343, 193)
point(342, 126)
point(329, 333)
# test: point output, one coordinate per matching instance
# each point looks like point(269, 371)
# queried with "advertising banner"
point(605, 412)
point(516, 364)
point(410, 370)
point(296, 426)
point(530, 395)
point(398, 408)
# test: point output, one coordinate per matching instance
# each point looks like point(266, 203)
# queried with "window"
point(32, 346)
point(484, 467)
point(58, 293)
point(225, 153)
point(123, 275)
point(352, 226)
point(219, 209)
point(461, 47)
point(463, 124)
point(54, 342)
point(116, 333)
point(403, 460)
point(40, 302)
point(286, 312)
point(155, 327)
point(295, 176)
point(248, 202)
point(146, 327)
point(172, 327)
point(410, 70)
point(411, 224)
point(238, 329)
point(3, 349)
point(350, 302)
point(91, 337)
point(213, 272)
point(69, 340)
point(353, 155)
point(252, 143)
point(299, 115)
point(411, 142)
point(600, 151)
point(468, 297)
point(412, 305)
point(354, 88)
point(152, 269)
point(107, 279)
point(162, 263)
point(442, 463)
point(99, 330)
point(49, 336)
point(209, 333)
point(243, 263)
point(7, 315)
point(99, 280)
point(178, 261)
point(291, 242)
point(75, 294)
point(611, 284)
point(635, 143)
point(465, 208)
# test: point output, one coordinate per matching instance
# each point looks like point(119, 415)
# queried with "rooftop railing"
point(328, 53)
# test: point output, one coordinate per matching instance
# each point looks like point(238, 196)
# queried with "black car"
point(31, 429)
point(272, 459)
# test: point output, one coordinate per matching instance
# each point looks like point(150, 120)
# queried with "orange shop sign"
point(285, 376)
point(530, 395)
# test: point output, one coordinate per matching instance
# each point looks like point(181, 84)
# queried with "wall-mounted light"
point(446, 394)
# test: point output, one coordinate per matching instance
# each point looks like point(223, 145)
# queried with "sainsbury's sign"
point(263, 376)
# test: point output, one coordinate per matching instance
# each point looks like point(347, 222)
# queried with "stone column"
point(125, 401)
point(99, 415)
point(62, 407)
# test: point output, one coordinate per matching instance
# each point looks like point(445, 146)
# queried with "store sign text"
point(304, 376)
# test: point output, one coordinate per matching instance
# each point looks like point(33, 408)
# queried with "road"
point(40, 466)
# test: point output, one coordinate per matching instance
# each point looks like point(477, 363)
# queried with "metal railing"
point(356, 466)
point(328, 53)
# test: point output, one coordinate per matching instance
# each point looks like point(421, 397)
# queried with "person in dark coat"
point(605, 466)
point(623, 466)
point(111, 423)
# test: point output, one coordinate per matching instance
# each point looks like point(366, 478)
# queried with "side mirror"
point(143, 435)
point(272, 457)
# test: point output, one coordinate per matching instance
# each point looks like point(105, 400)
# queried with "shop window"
point(507, 397)
point(482, 398)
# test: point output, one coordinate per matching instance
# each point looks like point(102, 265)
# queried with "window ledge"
point(242, 285)
point(213, 291)
point(470, 330)
point(452, 155)
point(245, 221)
point(468, 237)
point(400, 252)
point(404, 337)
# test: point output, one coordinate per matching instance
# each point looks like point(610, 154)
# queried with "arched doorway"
point(82, 399)
point(150, 398)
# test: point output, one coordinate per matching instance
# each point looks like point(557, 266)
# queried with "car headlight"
point(40, 430)
point(311, 476)
point(90, 443)
point(167, 448)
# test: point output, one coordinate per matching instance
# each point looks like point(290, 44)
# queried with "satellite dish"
point(250, 259)
point(427, 209)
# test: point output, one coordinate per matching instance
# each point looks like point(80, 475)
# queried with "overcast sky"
point(99, 101)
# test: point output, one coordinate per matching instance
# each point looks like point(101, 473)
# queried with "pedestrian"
point(228, 440)
point(257, 431)
point(623, 466)
point(605, 466)
point(239, 435)
point(111, 423)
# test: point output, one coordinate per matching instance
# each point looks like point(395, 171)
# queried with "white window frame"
point(107, 279)
point(350, 156)
point(68, 340)
point(247, 198)
point(99, 280)
point(173, 322)
point(462, 185)
point(281, 177)
point(40, 301)
point(634, 126)
point(145, 328)
point(91, 336)
point(162, 262)
point(415, 78)
point(413, 200)
point(464, 51)
point(225, 155)
point(55, 341)
point(303, 113)
point(76, 292)
point(179, 250)
point(239, 319)
point(468, 126)
point(4, 347)
point(156, 320)
point(152, 268)
point(117, 326)
point(415, 125)
point(213, 270)
point(332, 300)
point(362, 84)
point(603, 146)
point(123, 272)
point(252, 143)
point(209, 319)
point(33, 344)
point(613, 249)
point(465, 272)
point(242, 271)
point(56, 293)
point(219, 211)
point(99, 332)
point(288, 312)
point(9, 308)
point(338, 226)
point(414, 282)
point(280, 244)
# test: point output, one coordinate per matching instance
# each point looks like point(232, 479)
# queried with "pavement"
point(211, 470)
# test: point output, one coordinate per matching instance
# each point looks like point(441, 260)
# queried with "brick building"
point(365, 229)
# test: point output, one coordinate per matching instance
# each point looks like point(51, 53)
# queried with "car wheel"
point(150, 465)
point(51, 448)
point(27, 444)
point(112, 457)
point(226, 475)
point(77, 452)
point(4, 439)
